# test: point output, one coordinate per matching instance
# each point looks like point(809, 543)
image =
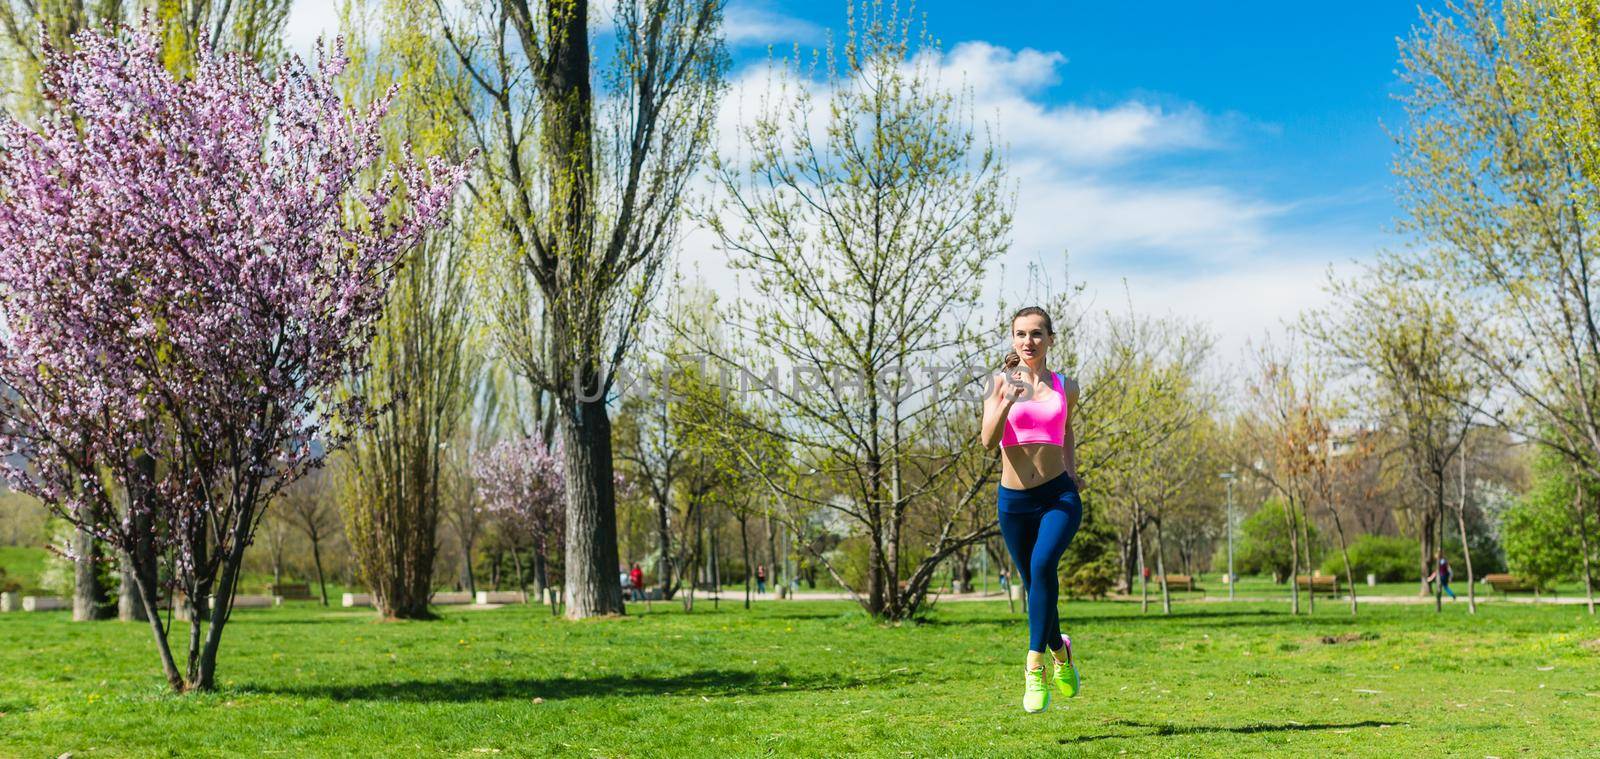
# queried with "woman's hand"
point(1013, 390)
point(1019, 385)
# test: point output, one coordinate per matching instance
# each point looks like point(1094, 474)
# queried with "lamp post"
point(1227, 477)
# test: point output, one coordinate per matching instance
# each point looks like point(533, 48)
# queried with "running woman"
point(1028, 413)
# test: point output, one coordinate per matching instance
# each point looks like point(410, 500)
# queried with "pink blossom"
point(188, 269)
point(524, 488)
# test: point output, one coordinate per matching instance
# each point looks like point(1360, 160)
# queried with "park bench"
point(290, 591)
point(449, 599)
point(1180, 582)
point(45, 603)
point(239, 602)
point(1319, 583)
point(501, 597)
point(1503, 583)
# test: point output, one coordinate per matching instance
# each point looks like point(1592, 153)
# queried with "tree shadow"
point(700, 683)
point(1156, 729)
point(253, 622)
point(813, 614)
point(1216, 618)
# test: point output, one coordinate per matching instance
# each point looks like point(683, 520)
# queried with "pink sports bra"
point(1038, 421)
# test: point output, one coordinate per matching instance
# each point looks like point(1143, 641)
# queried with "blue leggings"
point(1037, 524)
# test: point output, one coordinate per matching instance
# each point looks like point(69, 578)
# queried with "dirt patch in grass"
point(1350, 637)
point(1592, 645)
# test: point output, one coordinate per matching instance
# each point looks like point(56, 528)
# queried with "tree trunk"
point(561, 73)
point(130, 607)
point(715, 570)
point(1425, 547)
point(693, 569)
point(1344, 550)
point(1439, 508)
point(516, 566)
point(1583, 542)
point(144, 576)
point(1466, 550)
point(1294, 555)
point(540, 578)
point(277, 562)
point(744, 545)
point(1305, 546)
point(590, 584)
point(1144, 580)
point(206, 676)
point(316, 560)
point(90, 600)
point(466, 569)
point(1161, 569)
point(772, 550)
point(875, 579)
point(130, 603)
point(664, 541)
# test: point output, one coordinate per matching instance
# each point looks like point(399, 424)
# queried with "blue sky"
point(1215, 157)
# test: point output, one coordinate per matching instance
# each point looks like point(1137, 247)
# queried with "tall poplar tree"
point(424, 355)
point(583, 171)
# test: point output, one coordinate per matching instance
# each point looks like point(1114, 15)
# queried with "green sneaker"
point(1066, 672)
point(1035, 697)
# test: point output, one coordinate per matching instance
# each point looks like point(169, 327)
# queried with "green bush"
point(1090, 566)
point(1262, 544)
point(1392, 559)
point(1540, 532)
point(8, 585)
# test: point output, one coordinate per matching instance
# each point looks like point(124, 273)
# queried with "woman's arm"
point(995, 408)
point(1069, 442)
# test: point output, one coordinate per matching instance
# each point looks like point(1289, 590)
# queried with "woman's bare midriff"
point(1030, 465)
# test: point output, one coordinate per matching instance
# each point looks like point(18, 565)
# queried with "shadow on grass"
point(264, 621)
point(1155, 729)
point(700, 683)
point(1216, 618)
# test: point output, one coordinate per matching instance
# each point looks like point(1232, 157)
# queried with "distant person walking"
point(1005, 582)
point(636, 579)
point(761, 578)
point(1442, 573)
point(1028, 414)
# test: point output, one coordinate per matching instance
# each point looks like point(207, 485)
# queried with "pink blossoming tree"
point(187, 268)
point(523, 488)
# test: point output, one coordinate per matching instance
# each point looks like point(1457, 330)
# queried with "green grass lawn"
point(818, 678)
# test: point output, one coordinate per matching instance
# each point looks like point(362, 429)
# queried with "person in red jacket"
point(636, 579)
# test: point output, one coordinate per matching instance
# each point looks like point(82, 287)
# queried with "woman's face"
point(1029, 338)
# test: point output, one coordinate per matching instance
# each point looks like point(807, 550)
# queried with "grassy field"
point(818, 678)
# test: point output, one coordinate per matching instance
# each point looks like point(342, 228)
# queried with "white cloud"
point(1006, 86)
point(758, 24)
point(1095, 217)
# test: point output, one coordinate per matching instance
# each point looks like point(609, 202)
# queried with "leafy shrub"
point(1540, 532)
point(1262, 543)
point(1089, 568)
point(1391, 558)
